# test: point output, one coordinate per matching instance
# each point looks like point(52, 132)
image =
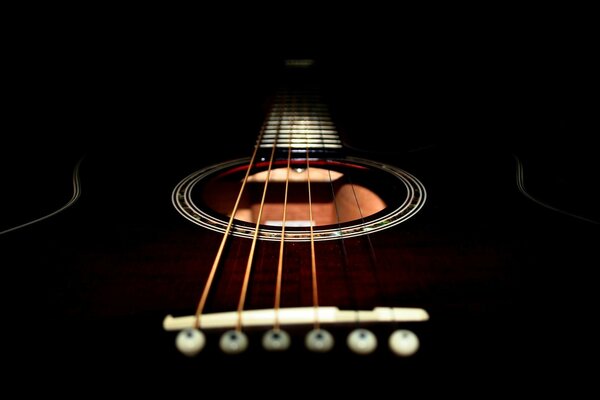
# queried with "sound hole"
point(333, 197)
point(348, 197)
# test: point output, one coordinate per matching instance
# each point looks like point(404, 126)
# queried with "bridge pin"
point(362, 341)
point(233, 342)
point(404, 342)
point(319, 340)
point(276, 340)
point(190, 342)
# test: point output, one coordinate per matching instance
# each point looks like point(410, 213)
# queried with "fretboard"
point(299, 121)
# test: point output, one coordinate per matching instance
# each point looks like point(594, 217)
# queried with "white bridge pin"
point(319, 340)
point(233, 342)
point(276, 340)
point(404, 342)
point(362, 341)
point(190, 342)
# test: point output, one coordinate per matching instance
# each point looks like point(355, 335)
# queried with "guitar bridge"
point(294, 316)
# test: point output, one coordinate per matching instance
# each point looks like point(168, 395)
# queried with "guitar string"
point(345, 259)
point(313, 258)
point(277, 304)
point(372, 254)
point(371, 249)
point(76, 183)
point(276, 324)
point(217, 261)
point(342, 241)
point(374, 260)
point(250, 260)
point(292, 124)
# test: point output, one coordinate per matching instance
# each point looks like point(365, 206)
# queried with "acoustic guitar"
point(292, 251)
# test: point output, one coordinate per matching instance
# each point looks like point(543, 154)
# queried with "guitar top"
point(403, 248)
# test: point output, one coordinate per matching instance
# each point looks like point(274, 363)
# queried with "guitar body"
point(494, 271)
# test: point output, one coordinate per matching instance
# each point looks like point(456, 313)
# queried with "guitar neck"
point(299, 121)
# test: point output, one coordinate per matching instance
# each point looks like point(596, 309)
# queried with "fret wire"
point(304, 129)
point(276, 134)
point(302, 146)
point(299, 138)
point(297, 117)
point(327, 123)
point(300, 128)
point(303, 141)
point(301, 133)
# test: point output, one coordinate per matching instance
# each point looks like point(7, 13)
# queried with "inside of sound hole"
point(334, 197)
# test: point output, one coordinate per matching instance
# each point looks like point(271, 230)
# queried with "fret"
point(299, 115)
point(304, 129)
point(300, 140)
point(302, 132)
point(300, 106)
point(319, 123)
point(299, 119)
point(302, 146)
point(286, 136)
